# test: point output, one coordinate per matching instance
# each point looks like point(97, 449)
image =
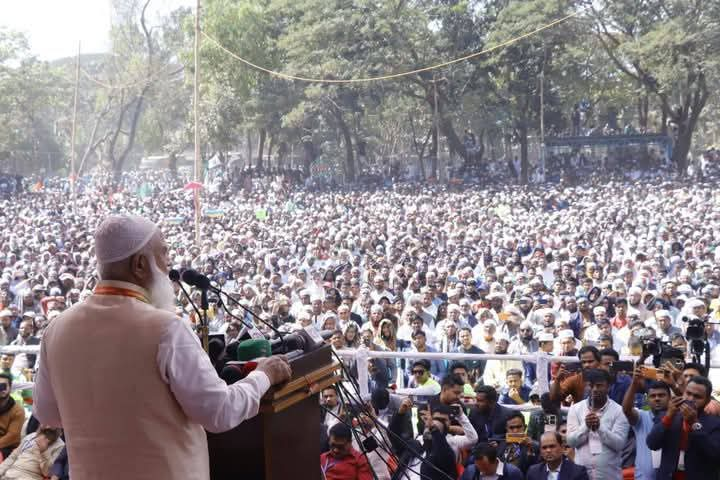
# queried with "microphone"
point(191, 277)
point(174, 275)
point(301, 340)
point(195, 279)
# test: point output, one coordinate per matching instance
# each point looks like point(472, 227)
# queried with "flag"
point(214, 212)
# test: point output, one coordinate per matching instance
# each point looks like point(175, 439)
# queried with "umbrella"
point(193, 186)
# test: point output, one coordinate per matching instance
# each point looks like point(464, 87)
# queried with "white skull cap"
point(120, 236)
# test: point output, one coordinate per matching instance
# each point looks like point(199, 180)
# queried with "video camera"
point(656, 348)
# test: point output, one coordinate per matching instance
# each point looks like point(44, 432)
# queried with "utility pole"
point(542, 121)
point(196, 101)
point(440, 173)
point(72, 135)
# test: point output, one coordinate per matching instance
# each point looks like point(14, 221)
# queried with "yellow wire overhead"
point(393, 75)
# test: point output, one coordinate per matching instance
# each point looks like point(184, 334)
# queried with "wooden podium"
point(283, 441)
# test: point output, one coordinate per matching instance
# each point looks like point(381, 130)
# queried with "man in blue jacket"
point(689, 438)
point(488, 465)
point(556, 466)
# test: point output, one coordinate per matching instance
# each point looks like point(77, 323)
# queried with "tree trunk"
point(261, 147)
point(248, 135)
point(309, 155)
point(522, 132)
point(347, 139)
point(270, 150)
point(481, 148)
point(434, 154)
point(643, 107)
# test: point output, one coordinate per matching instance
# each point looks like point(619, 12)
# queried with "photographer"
point(517, 448)
point(571, 383)
point(641, 421)
point(688, 437)
point(433, 445)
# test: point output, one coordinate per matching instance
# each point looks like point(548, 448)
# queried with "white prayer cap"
point(546, 337)
point(566, 334)
point(120, 236)
point(662, 314)
point(502, 336)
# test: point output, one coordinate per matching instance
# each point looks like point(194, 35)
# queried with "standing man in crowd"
point(688, 437)
point(597, 429)
point(108, 431)
point(642, 421)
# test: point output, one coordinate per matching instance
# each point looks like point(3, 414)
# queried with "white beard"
point(161, 290)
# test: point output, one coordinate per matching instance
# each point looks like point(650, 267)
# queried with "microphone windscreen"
point(190, 277)
point(174, 275)
point(254, 348)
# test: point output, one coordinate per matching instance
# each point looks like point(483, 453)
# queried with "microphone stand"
point(202, 316)
point(219, 292)
point(204, 327)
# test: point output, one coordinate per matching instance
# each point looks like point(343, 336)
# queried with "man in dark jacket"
point(488, 417)
point(551, 448)
point(488, 465)
point(688, 437)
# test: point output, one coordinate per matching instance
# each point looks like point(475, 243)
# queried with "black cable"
point(360, 402)
point(405, 443)
point(187, 295)
point(219, 293)
point(389, 452)
point(227, 312)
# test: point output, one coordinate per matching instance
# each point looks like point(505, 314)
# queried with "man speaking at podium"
point(127, 380)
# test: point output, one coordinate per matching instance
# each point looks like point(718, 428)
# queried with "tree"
point(670, 49)
point(31, 94)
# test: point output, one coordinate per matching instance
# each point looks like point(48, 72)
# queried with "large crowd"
point(599, 270)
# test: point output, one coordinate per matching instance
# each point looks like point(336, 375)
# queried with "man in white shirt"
point(598, 429)
point(181, 389)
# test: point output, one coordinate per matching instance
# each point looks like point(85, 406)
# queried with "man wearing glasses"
point(421, 383)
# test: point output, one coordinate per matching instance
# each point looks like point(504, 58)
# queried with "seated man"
point(487, 464)
point(35, 456)
point(461, 370)
point(422, 383)
point(515, 393)
point(556, 465)
point(12, 417)
point(342, 462)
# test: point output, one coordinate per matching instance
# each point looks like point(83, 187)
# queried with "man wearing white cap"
point(495, 370)
point(138, 407)
point(663, 325)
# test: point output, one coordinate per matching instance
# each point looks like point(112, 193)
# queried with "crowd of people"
point(604, 269)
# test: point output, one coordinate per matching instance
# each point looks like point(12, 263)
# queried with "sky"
point(54, 27)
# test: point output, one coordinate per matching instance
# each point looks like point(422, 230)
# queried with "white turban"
point(120, 236)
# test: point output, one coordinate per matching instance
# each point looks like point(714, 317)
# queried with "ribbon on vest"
point(122, 292)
